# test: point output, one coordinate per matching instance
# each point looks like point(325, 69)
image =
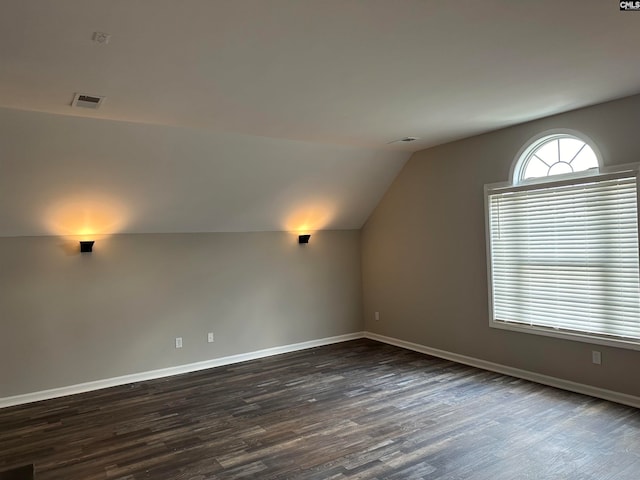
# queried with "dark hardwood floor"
point(355, 410)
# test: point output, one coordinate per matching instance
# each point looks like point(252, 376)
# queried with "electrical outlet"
point(596, 357)
point(178, 342)
point(376, 316)
point(210, 337)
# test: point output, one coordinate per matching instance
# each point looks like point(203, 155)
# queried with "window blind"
point(565, 257)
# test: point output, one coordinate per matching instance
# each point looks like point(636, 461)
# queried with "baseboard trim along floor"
point(602, 393)
point(610, 395)
point(170, 371)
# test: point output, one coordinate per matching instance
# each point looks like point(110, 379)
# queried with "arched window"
point(563, 244)
point(554, 154)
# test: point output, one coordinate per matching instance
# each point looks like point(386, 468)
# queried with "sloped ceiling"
point(243, 115)
point(65, 175)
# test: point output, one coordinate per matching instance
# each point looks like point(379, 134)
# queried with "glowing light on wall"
point(86, 217)
point(309, 219)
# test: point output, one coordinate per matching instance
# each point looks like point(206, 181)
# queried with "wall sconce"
point(86, 246)
point(302, 239)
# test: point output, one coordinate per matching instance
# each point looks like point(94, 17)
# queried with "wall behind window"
point(424, 251)
point(68, 318)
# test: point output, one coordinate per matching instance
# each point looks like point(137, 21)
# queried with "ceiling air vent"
point(87, 101)
point(405, 140)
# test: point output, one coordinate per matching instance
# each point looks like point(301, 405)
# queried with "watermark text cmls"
point(627, 6)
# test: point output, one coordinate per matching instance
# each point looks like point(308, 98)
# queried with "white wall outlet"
point(210, 337)
point(178, 342)
point(596, 357)
point(376, 316)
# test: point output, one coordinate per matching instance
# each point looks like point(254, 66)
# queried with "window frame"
point(520, 160)
point(551, 181)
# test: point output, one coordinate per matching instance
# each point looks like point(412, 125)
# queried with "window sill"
point(567, 335)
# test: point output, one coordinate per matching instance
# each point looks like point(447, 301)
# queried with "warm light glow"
point(309, 219)
point(86, 217)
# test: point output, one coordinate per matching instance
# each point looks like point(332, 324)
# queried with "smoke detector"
point(101, 38)
point(87, 101)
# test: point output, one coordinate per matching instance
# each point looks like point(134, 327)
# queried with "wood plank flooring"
point(355, 410)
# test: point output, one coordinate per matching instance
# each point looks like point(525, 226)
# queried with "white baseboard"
point(167, 372)
point(610, 395)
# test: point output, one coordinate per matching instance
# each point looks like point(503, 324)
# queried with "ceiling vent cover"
point(87, 101)
point(405, 140)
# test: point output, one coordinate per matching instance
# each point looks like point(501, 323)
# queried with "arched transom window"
point(555, 155)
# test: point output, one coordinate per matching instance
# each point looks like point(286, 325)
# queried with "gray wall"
point(68, 318)
point(424, 257)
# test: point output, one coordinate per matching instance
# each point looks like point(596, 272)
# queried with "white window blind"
point(564, 257)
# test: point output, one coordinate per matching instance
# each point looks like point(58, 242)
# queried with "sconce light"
point(86, 246)
point(303, 239)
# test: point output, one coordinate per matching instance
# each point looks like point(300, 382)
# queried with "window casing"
point(555, 154)
point(563, 253)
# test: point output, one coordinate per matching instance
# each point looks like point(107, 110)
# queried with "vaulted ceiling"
point(243, 115)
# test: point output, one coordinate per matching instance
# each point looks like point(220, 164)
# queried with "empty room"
point(319, 239)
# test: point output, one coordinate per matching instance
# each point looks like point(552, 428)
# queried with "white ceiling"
point(295, 93)
point(62, 175)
